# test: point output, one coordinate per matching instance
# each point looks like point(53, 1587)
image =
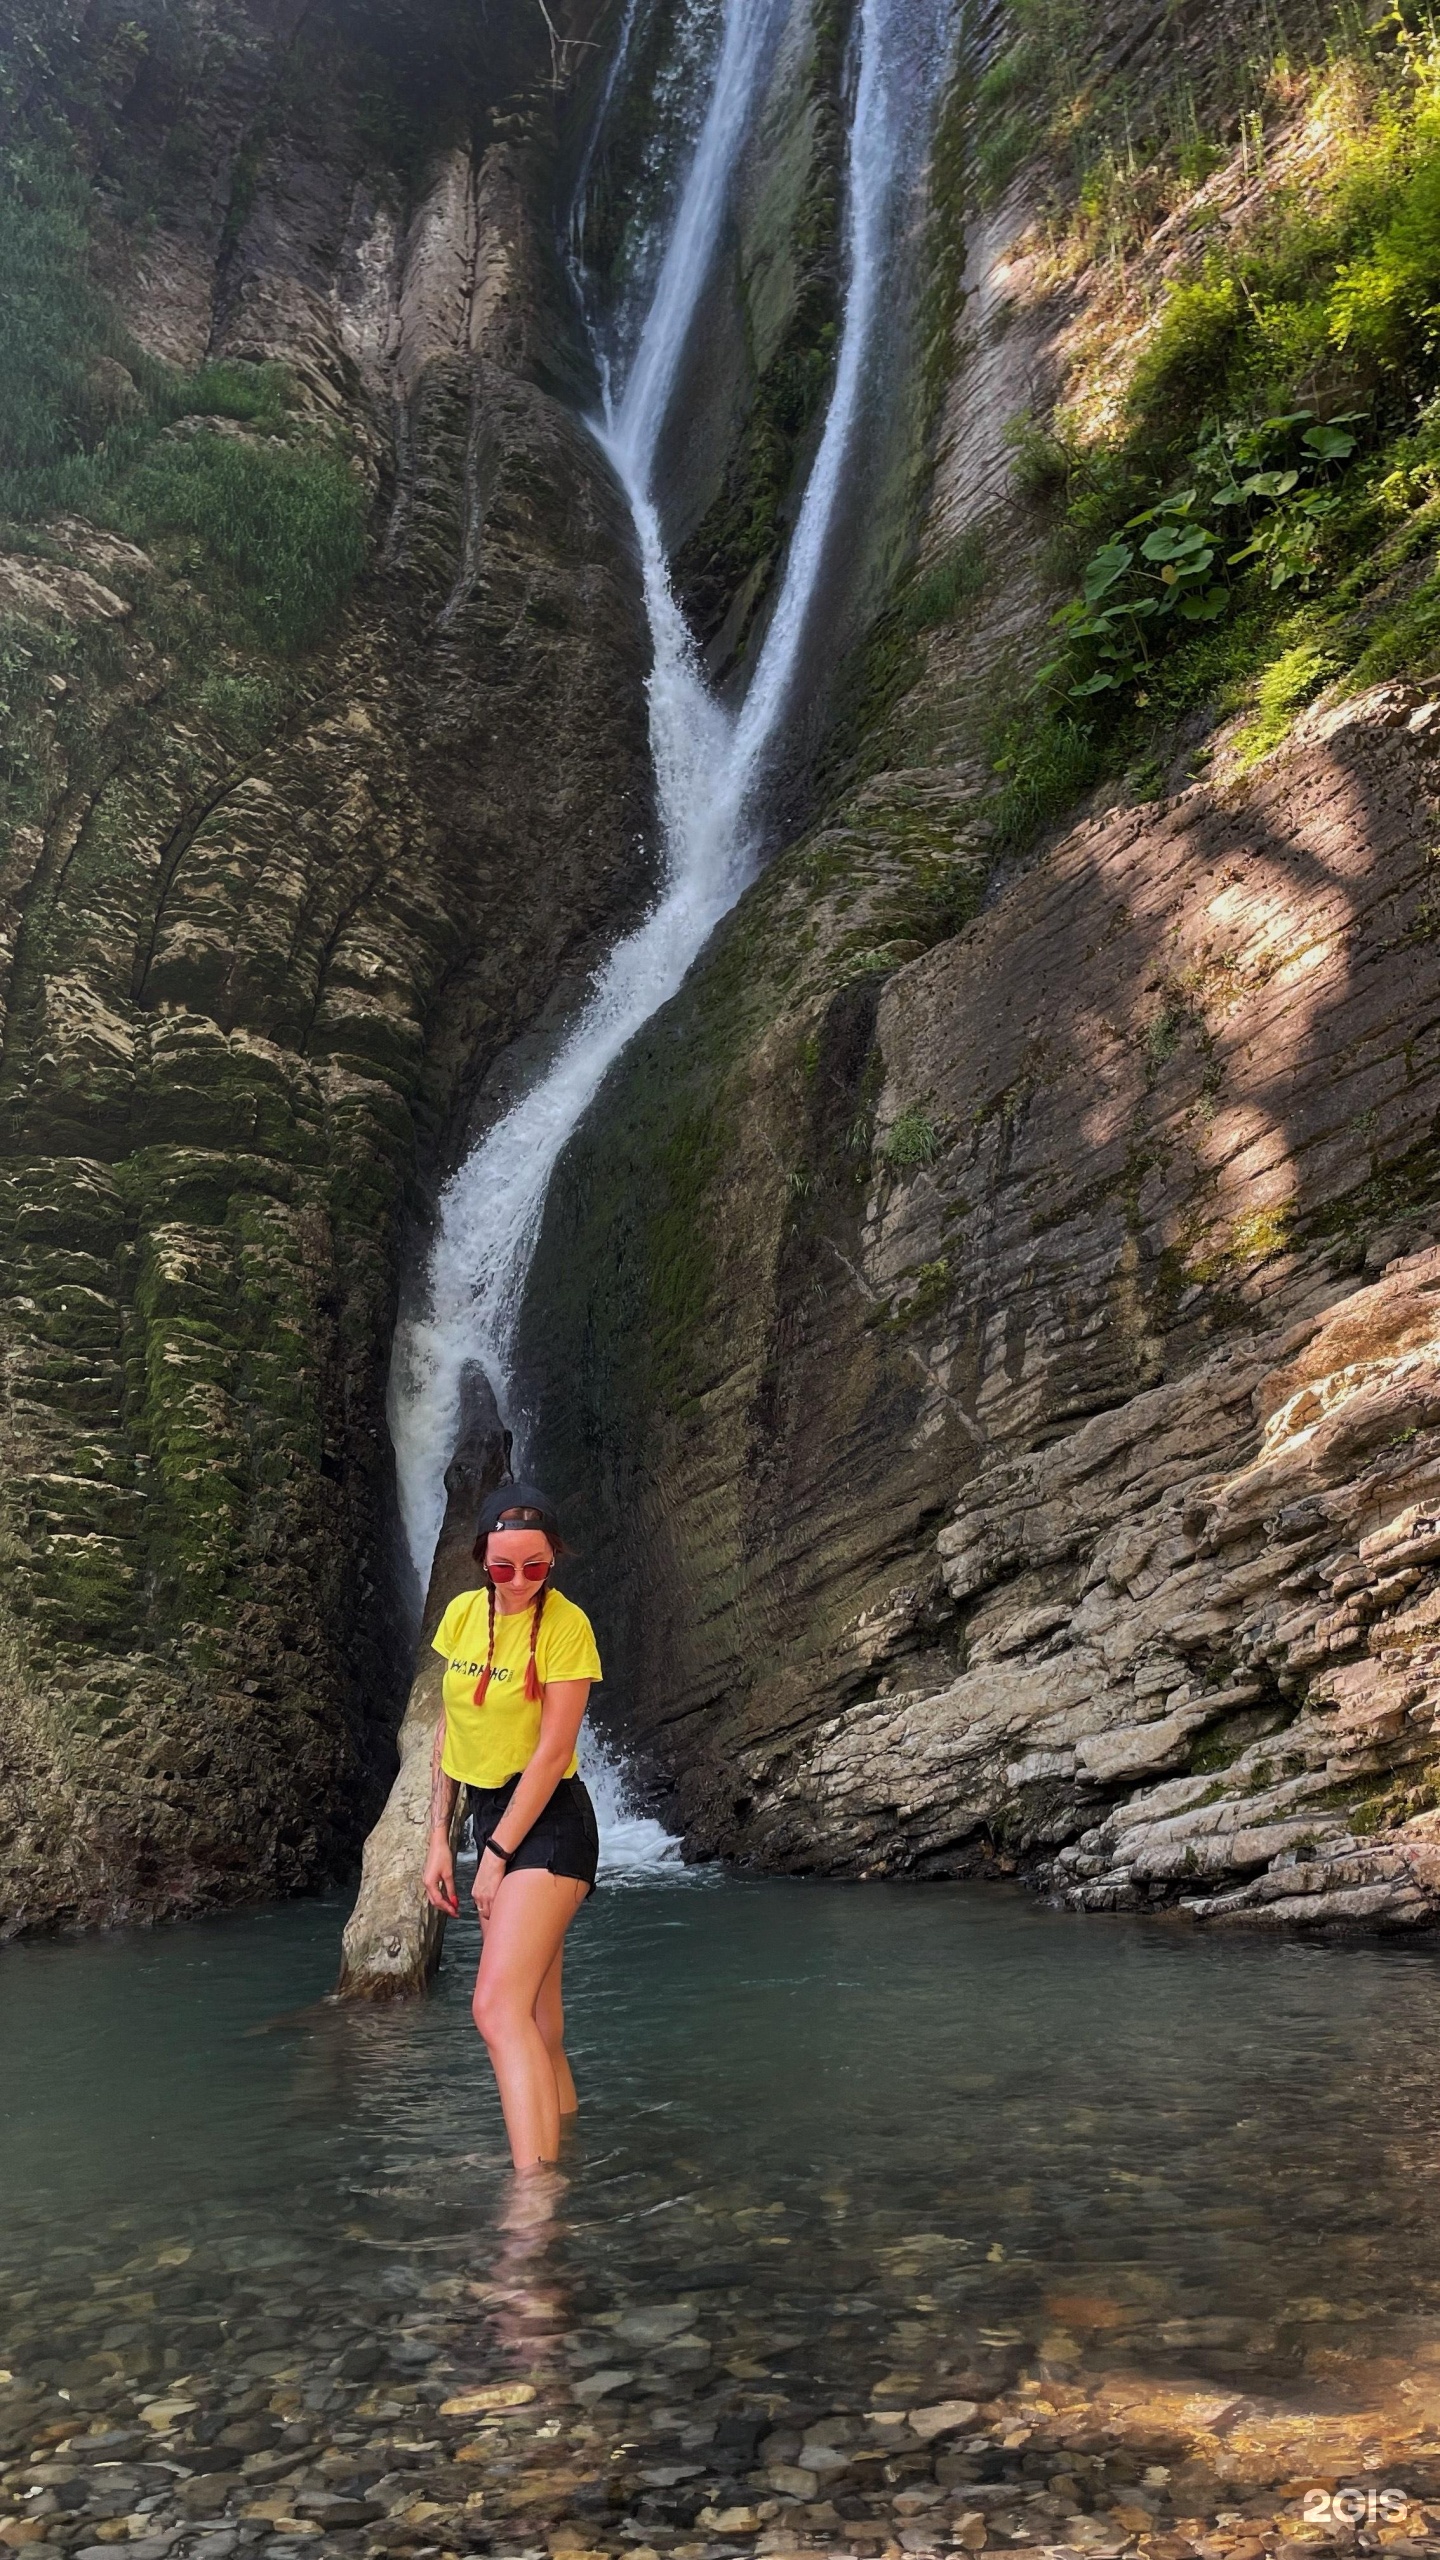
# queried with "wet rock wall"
point(992, 1341)
point(261, 945)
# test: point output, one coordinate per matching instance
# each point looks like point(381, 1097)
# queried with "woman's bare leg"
point(528, 1919)
point(550, 2019)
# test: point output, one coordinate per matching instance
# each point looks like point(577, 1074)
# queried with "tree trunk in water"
point(393, 1937)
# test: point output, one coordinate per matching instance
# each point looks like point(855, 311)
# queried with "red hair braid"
point(483, 1683)
point(533, 1689)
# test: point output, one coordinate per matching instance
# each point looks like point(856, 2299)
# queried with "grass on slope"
point(272, 514)
point(1263, 516)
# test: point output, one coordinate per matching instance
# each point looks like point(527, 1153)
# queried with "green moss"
point(736, 547)
point(1251, 1239)
point(1166, 1032)
point(936, 595)
point(946, 244)
point(679, 1257)
point(871, 686)
point(1220, 1746)
point(1289, 680)
point(930, 1292)
point(882, 667)
point(1386, 1808)
point(1408, 1187)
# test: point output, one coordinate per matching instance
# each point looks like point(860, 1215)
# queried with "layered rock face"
point(262, 944)
point(1186, 1081)
point(983, 1338)
point(986, 1328)
point(1141, 1268)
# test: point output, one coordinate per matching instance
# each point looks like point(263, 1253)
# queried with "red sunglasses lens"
point(534, 1569)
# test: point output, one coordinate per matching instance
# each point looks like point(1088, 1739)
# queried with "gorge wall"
point(329, 784)
point(988, 1323)
point(261, 930)
point(983, 1337)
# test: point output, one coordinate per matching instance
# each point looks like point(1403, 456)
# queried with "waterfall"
point(710, 762)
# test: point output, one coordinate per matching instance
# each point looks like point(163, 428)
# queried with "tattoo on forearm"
point(443, 1788)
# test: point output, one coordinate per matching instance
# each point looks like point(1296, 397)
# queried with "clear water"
point(788, 2080)
point(844, 2152)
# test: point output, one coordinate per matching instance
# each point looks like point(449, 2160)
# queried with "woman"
point(519, 1660)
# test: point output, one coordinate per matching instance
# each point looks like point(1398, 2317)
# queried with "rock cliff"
point(275, 900)
point(995, 1300)
point(988, 1322)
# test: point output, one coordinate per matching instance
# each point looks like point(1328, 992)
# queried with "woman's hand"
point(489, 1876)
point(440, 1890)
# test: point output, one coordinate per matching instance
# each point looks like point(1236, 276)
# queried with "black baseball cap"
point(533, 1508)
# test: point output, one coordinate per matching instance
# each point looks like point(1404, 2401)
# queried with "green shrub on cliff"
point(912, 1139)
point(54, 328)
point(286, 525)
point(1273, 471)
point(272, 523)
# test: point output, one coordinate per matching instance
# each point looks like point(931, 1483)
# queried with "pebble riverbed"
point(289, 2302)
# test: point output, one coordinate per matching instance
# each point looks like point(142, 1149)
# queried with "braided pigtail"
point(483, 1683)
point(532, 1676)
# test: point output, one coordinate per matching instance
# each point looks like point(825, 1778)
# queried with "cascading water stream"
point(709, 761)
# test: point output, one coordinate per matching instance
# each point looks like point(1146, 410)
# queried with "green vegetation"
point(253, 497)
point(54, 327)
point(288, 526)
point(1261, 521)
point(911, 1140)
point(930, 1292)
point(243, 707)
point(1222, 1744)
point(1125, 140)
point(278, 513)
point(936, 594)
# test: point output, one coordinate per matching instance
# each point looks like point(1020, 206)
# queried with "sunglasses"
point(534, 1569)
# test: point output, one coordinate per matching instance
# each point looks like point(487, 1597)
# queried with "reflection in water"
point(844, 2153)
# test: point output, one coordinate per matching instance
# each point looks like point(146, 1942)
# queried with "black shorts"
point(564, 1836)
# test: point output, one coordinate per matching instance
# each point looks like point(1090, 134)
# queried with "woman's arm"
point(561, 1714)
point(440, 1864)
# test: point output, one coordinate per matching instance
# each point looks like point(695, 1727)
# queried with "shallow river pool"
point(897, 2219)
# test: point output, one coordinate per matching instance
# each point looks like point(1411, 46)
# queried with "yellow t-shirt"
point(485, 1745)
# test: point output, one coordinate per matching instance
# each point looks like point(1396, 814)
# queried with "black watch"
point(490, 1842)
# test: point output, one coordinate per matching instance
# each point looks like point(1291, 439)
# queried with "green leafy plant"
point(1262, 487)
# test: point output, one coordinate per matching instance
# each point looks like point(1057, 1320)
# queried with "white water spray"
point(709, 762)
